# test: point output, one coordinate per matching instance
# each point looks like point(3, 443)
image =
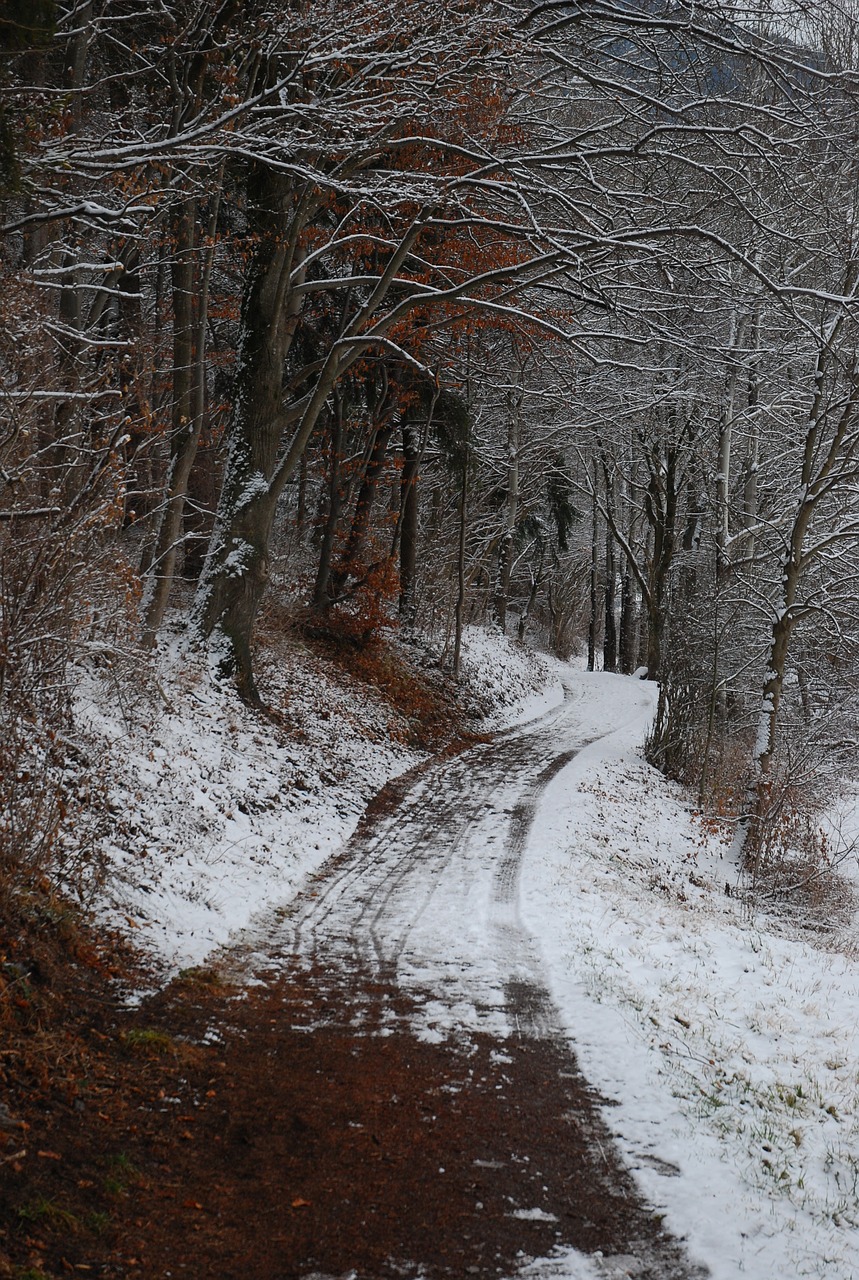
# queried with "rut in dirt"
point(465, 1139)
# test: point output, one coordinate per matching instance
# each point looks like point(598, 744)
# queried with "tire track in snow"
point(427, 891)
point(414, 927)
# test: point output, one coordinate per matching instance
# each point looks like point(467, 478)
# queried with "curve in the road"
point(428, 891)
point(414, 928)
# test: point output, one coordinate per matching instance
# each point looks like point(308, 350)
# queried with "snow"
point(256, 487)
point(238, 560)
point(569, 1265)
point(216, 810)
point(519, 685)
point(215, 813)
point(727, 1043)
point(724, 1040)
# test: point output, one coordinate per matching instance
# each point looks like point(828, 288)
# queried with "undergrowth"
point(426, 706)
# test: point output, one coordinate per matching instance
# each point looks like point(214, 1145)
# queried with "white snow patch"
point(566, 1264)
point(729, 1047)
point(517, 684)
point(215, 813)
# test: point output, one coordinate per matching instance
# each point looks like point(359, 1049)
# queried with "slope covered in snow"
point(216, 811)
point(725, 1039)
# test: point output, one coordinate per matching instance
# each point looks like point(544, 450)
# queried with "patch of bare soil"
point(276, 1134)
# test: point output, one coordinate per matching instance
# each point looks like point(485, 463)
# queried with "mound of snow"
point(216, 809)
point(726, 1040)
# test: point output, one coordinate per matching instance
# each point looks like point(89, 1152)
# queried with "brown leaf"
point(299, 1203)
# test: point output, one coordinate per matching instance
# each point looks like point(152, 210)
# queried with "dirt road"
point(484, 1150)
point(433, 1125)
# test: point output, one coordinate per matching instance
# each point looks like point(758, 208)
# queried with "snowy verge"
point(726, 1044)
point(513, 684)
point(216, 812)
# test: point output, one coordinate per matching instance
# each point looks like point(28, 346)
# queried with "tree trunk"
point(237, 564)
point(661, 510)
point(511, 511)
point(409, 522)
point(460, 568)
point(627, 624)
point(609, 648)
point(190, 320)
point(592, 625)
point(726, 440)
point(536, 582)
point(301, 504)
point(200, 503)
point(750, 467)
point(321, 592)
point(783, 622)
point(185, 426)
point(201, 495)
point(350, 565)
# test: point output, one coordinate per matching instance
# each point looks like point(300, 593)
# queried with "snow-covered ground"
point(216, 813)
point(726, 1042)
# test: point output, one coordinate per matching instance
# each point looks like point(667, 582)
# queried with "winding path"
point(413, 933)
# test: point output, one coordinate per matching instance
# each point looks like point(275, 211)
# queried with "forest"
point(412, 313)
